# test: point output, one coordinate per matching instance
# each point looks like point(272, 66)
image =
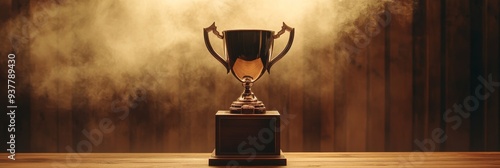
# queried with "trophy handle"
point(287, 47)
point(213, 28)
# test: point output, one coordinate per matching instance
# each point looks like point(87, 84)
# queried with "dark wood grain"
point(296, 104)
point(311, 103)
point(375, 126)
point(340, 123)
point(457, 53)
point(327, 88)
point(476, 69)
point(400, 85)
point(391, 95)
point(5, 14)
point(356, 102)
point(420, 87)
point(23, 71)
point(491, 47)
point(434, 67)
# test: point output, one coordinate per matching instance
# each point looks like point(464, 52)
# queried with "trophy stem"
point(247, 103)
point(247, 94)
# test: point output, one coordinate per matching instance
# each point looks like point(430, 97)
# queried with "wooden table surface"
point(294, 159)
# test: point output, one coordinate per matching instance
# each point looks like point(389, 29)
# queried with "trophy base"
point(247, 139)
point(247, 107)
point(235, 160)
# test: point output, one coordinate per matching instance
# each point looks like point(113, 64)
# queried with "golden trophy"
point(246, 134)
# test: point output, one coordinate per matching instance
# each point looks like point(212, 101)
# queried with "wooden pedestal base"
point(279, 160)
point(247, 139)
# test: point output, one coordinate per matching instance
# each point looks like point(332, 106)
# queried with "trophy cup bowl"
point(248, 54)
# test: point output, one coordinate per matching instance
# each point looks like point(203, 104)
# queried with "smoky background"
point(87, 57)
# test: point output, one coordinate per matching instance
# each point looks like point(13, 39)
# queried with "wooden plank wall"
point(417, 78)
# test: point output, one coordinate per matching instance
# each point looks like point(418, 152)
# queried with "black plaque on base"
point(247, 139)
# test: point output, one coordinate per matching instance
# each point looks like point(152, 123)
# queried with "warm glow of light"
point(115, 45)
